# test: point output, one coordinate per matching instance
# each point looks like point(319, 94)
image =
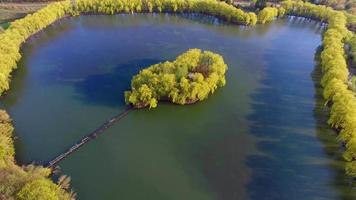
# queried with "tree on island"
point(190, 78)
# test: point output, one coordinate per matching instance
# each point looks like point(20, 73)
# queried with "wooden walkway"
point(54, 162)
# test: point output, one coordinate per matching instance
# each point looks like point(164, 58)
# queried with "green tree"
point(190, 78)
point(39, 190)
point(268, 14)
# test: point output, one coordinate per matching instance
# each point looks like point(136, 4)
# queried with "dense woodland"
point(190, 78)
point(32, 183)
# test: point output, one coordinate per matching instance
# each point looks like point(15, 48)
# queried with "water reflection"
point(207, 22)
point(332, 147)
point(17, 84)
point(289, 120)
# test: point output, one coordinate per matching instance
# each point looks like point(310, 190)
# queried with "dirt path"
point(12, 11)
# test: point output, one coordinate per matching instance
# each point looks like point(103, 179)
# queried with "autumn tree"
point(268, 14)
point(335, 73)
point(191, 77)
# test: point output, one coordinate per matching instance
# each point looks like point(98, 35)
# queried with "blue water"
point(262, 136)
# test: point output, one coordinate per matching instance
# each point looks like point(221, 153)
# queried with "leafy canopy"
point(191, 77)
point(335, 74)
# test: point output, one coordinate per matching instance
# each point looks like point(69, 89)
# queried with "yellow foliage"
point(13, 179)
point(20, 30)
point(190, 78)
point(211, 7)
point(335, 74)
point(268, 14)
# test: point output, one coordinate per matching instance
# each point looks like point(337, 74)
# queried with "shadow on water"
point(282, 147)
point(274, 122)
point(221, 163)
point(108, 88)
point(327, 136)
point(11, 97)
point(299, 156)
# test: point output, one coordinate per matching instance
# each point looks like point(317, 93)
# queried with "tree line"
point(347, 5)
point(190, 78)
point(215, 8)
point(335, 74)
point(18, 32)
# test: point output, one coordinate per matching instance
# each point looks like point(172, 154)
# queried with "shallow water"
point(262, 136)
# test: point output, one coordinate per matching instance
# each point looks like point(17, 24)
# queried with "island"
point(190, 78)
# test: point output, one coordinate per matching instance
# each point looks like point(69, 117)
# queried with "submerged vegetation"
point(29, 182)
point(190, 78)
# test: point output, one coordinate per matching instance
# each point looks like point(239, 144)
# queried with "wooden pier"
point(54, 162)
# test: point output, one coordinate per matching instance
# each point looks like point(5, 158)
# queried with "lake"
point(263, 136)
